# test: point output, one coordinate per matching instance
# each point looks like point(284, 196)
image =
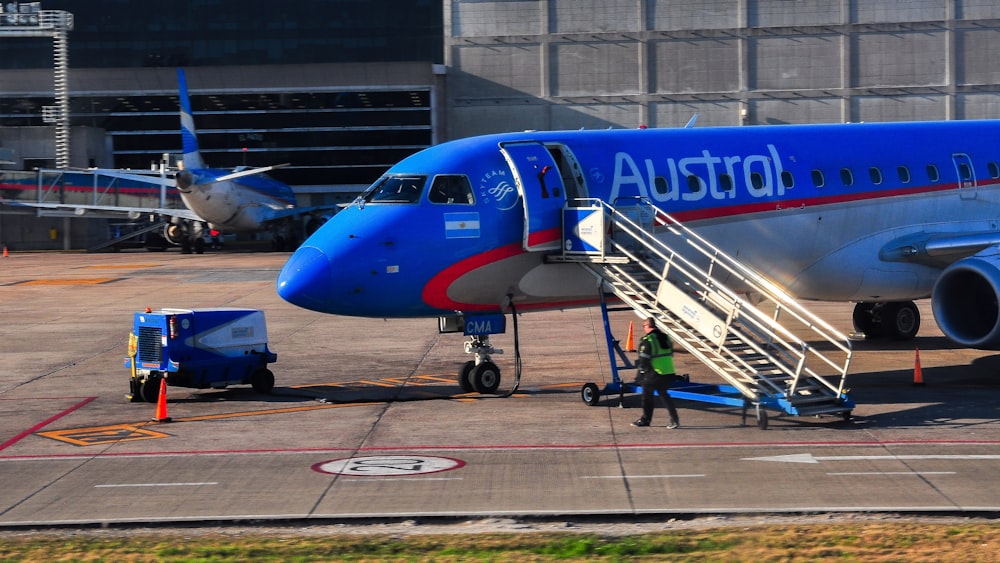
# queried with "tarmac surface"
point(368, 422)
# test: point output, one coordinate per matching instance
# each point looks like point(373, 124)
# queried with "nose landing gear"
point(480, 375)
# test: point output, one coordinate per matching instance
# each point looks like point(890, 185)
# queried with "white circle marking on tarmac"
point(384, 465)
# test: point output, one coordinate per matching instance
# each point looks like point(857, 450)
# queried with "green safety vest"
point(662, 359)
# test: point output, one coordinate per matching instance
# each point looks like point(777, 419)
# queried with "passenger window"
point(904, 174)
point(818, 180)
point(725, 182)
point(757, 180)
point(846, 177)
point(787, 179)
point(451, 189)
point(661, 186)
point(875, 174)
point(932, 173)
point(396, 189)
point(994, 170)
point(964, 171)
point(694, 183)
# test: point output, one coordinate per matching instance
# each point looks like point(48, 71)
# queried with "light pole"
point(27, 19)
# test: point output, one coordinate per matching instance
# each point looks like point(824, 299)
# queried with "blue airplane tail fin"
point(189, 139)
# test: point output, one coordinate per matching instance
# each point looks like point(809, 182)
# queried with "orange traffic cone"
point(629, 343)
point(918, 375)
point(5, 251)
point(161, 403)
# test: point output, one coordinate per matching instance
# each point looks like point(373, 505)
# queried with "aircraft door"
point(542, 193)
point(967, 185)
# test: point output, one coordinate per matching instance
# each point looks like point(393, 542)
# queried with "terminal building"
point(342, 91)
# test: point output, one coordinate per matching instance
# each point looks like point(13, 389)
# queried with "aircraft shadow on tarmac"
point(951, 396)
point(417, 388)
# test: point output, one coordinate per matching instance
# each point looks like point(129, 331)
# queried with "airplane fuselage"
point(831, 212)
point(245, 204)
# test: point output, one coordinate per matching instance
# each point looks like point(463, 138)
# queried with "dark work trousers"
point(655, 382)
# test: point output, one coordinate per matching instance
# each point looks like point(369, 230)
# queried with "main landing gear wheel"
point(864, 320)
point(463, 377)
point(485, 378)
point(898, 320)
point(590, 394)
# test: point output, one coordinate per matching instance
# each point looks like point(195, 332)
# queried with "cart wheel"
point(590, 394)
point(485, 377)
point(761, 418)
point(262, 381)
point(150, 389)
point(846, 415)
point(463, 377)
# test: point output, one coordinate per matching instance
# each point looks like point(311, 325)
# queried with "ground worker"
point(656, 372)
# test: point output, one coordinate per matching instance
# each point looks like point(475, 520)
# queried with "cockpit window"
point(396, 189)
point(451, 189)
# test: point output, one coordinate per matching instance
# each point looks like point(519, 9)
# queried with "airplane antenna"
point(691, 121)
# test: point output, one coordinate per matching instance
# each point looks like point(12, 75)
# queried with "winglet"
point(691, 121)
point(189, 139)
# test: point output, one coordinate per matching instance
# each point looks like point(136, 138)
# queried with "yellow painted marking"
point(376, 383)
point(85, 281)
point(437, 379)
point(272, 411)
point(561, 385)
point(119, 266)
point(99, 435)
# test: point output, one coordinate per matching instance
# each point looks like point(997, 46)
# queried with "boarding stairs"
point(772, 352)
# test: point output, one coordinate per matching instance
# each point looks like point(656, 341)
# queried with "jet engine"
point(185, 179)
point(965, 301)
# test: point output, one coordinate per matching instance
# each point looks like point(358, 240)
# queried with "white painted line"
point(156, 485)
point(809, 458)
point(915, 473)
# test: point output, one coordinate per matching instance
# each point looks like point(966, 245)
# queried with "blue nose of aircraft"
point(306, 279)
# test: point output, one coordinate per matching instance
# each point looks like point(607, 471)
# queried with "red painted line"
point(526, 447)
point(44, 423)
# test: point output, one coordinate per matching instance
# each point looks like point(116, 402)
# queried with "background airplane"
point(875, 214)
point(243, 199)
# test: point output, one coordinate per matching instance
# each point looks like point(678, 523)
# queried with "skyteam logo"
point(495, 187)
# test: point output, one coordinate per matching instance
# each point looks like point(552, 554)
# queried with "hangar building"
point(342, 91)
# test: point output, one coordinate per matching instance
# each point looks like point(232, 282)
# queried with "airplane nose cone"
point(306, 279)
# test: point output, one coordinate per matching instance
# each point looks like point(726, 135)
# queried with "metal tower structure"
point(27, 19)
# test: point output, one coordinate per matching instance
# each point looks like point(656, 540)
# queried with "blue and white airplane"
point(229, 200)
point(239, 200)
point(878, 214)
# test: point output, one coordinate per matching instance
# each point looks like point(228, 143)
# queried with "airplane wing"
point(155, 179)
point(938, 249)
point(248, 172)
point(101, 211)
point(295, 211)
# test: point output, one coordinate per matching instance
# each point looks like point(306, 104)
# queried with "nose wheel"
point(480, 375)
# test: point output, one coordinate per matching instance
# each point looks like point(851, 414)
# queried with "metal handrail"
point(680, 270)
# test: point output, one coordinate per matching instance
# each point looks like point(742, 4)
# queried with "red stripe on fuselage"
point(772, 205)
point(435, 293)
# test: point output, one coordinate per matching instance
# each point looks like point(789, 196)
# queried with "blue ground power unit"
point(198, 348)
